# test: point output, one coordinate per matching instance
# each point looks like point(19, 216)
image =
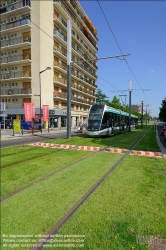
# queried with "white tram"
point(107, 121)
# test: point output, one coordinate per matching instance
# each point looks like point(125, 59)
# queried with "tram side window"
point(106, 121)
point(116, 120)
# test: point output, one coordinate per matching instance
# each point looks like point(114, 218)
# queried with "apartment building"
point(34, 37)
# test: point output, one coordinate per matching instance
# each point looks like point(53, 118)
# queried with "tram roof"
point(125, 114)
point(113, 111)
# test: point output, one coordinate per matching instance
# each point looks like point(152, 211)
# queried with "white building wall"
point(42, 51)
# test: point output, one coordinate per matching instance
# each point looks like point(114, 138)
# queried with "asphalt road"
point(8, 140)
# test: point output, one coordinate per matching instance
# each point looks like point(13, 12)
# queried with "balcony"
point(60, 65)
point(19, 74)
point(73, 98)
point(84, 45)
point(87, 70)
point(58, 33)
point(24, 91)
point(61, 95)
point(76, 23)
point(14, 41)
point(14, 6)
point(14, 24)
point(84, 57)
point(61, 50)
point(60, 80)
point(15, 58)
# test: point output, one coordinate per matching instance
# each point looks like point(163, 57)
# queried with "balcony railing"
point(23, 91)
point(60, 65)
point(15, 75)
point(15, 58)
point(14, 6)
point(77, 23)
point(16, 40)
point(73, 98)
point(60, 80)
point(57, 32)
point(83, 55)
point(14, 24)
point(61, 95)
point(61, 50)
point(64, 52)
point(87, 70)
point(85, 91)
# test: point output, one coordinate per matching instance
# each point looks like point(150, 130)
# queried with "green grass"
point(149, 143)
point(38, 208)
point(33, 152)
point(118, 141)
point(16, 149)
point(130, 203)
point(22, 174)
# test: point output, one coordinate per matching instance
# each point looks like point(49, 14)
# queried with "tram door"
point(106, 121)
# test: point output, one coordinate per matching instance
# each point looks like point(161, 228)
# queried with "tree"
point(100, 97)
point(162, 114)
point(116, 103)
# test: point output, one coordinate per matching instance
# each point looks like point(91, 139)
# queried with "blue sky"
point(140, 30)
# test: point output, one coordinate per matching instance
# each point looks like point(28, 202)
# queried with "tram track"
point(20, 152)
point(43, 242)
point(61, 169)
point(39, 157)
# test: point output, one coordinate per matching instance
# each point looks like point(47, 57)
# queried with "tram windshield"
point(95, 116)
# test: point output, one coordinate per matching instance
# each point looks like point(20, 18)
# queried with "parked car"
point(163, 130)
point(8, 124)
point(26, 125)
point(165, 135)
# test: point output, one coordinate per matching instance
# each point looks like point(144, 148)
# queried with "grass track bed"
point(17, 149)
point(149, 143)
point(45, 203)
point(129, 203)
point(25, 156)
point(124, 140)
point(24, 174)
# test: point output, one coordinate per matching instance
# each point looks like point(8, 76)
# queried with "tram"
point(107, 121)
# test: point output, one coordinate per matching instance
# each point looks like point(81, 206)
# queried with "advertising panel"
point(17, 127)
point(28, 111)
point(45, 112)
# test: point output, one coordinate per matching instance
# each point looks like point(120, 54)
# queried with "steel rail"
point(57, 171)
point(43, 242)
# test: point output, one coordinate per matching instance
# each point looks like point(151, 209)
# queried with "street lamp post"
point(48, 68)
